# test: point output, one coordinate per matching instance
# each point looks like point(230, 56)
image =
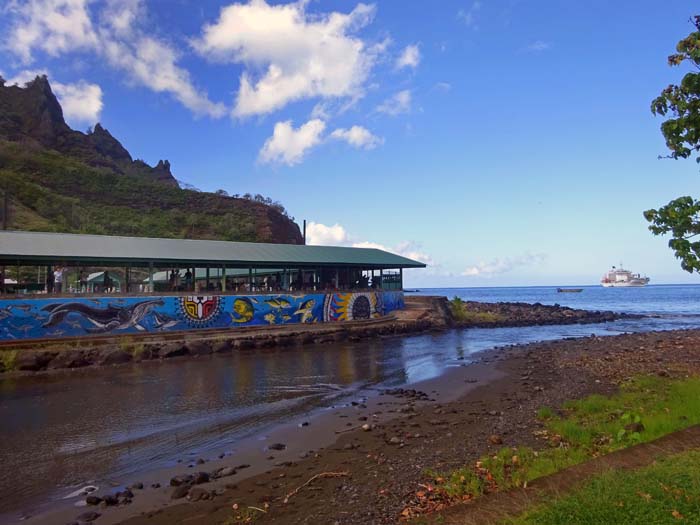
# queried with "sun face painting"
point(351, 306)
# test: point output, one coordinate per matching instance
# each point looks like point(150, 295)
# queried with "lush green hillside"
point(52, 192)
point(58, 179)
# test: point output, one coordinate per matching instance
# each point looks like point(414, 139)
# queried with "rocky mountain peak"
point(33, 114)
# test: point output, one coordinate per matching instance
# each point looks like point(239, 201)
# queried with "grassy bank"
point(463, 315)
point(644, 409)
point(666, 492)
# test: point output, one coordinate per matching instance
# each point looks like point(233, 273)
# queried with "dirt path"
point(492, 508)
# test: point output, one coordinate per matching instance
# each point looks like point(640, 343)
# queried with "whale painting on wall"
point(50, 318)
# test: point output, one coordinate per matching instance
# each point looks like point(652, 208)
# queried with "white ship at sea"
point(619, 277)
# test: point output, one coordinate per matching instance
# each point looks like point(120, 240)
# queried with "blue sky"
point(504, 142)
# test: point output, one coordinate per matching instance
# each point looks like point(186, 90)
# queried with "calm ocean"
point(666, 307)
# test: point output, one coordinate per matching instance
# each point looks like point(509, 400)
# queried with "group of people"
point(56, 281)
point(174, 280)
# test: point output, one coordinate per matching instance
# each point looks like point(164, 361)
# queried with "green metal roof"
point(39, 247)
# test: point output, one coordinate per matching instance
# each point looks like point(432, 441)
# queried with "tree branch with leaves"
point(681, 103)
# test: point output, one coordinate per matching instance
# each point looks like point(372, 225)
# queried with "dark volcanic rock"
point(200, 477)
point(93, 500)
point(181, 480)
point(199, 347)
point(172, 350)
point(32, 361)
point(69, 359)
point(114, 356)
point(89, 516)
point(180, 492)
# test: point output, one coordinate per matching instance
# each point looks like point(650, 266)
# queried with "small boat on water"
point(569, 290)
point(620, 278)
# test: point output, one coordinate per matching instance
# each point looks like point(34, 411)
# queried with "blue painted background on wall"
point(69, 317)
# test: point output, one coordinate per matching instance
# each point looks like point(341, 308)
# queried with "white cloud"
point(358, 137)
point(468, 16)
point(396, 104)
point(503, 265)
point(153, 64)
point(538, 46)
point(321, 235)
point(443, 86)
point(53, 26)
point(289, 54)
point(410, 249)
point(81, 101)
point(410, 57)
point(62, 26)
point(288, 145)
point(318, 234)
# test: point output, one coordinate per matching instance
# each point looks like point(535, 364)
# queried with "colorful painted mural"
point(53, 317)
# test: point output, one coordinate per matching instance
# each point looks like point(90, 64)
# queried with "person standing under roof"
point(58, 279)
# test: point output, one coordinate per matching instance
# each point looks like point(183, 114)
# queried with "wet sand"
point(306, 437)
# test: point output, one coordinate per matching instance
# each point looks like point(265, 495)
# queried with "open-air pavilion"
point(222, 266)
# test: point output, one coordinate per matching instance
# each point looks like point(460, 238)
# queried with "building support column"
point(400, 278)
point(223, 278)
point(381, 278)
point(250, 279)
point(207, 277)
point(150, 277)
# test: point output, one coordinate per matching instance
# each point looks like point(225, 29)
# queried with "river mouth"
point(109, 425)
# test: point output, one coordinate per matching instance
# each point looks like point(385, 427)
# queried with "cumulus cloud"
point(358, 137)
point(62, 26)
point(499, 266)
point(289, 54)
point(468, 15)
point(288, 145)
point(81, 101)
point(321, 235)
point(410, 57)
point(396, 104)
point(318, 234)
point(153, 64)
point(53, 26)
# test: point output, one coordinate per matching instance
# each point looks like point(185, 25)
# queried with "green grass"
point(8, 359)
point(666, 492)
point(587, 428)
point(463, 315)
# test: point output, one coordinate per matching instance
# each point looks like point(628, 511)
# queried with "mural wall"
point(70, 317)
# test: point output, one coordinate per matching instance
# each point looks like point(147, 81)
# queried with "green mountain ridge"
point(58, 179)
